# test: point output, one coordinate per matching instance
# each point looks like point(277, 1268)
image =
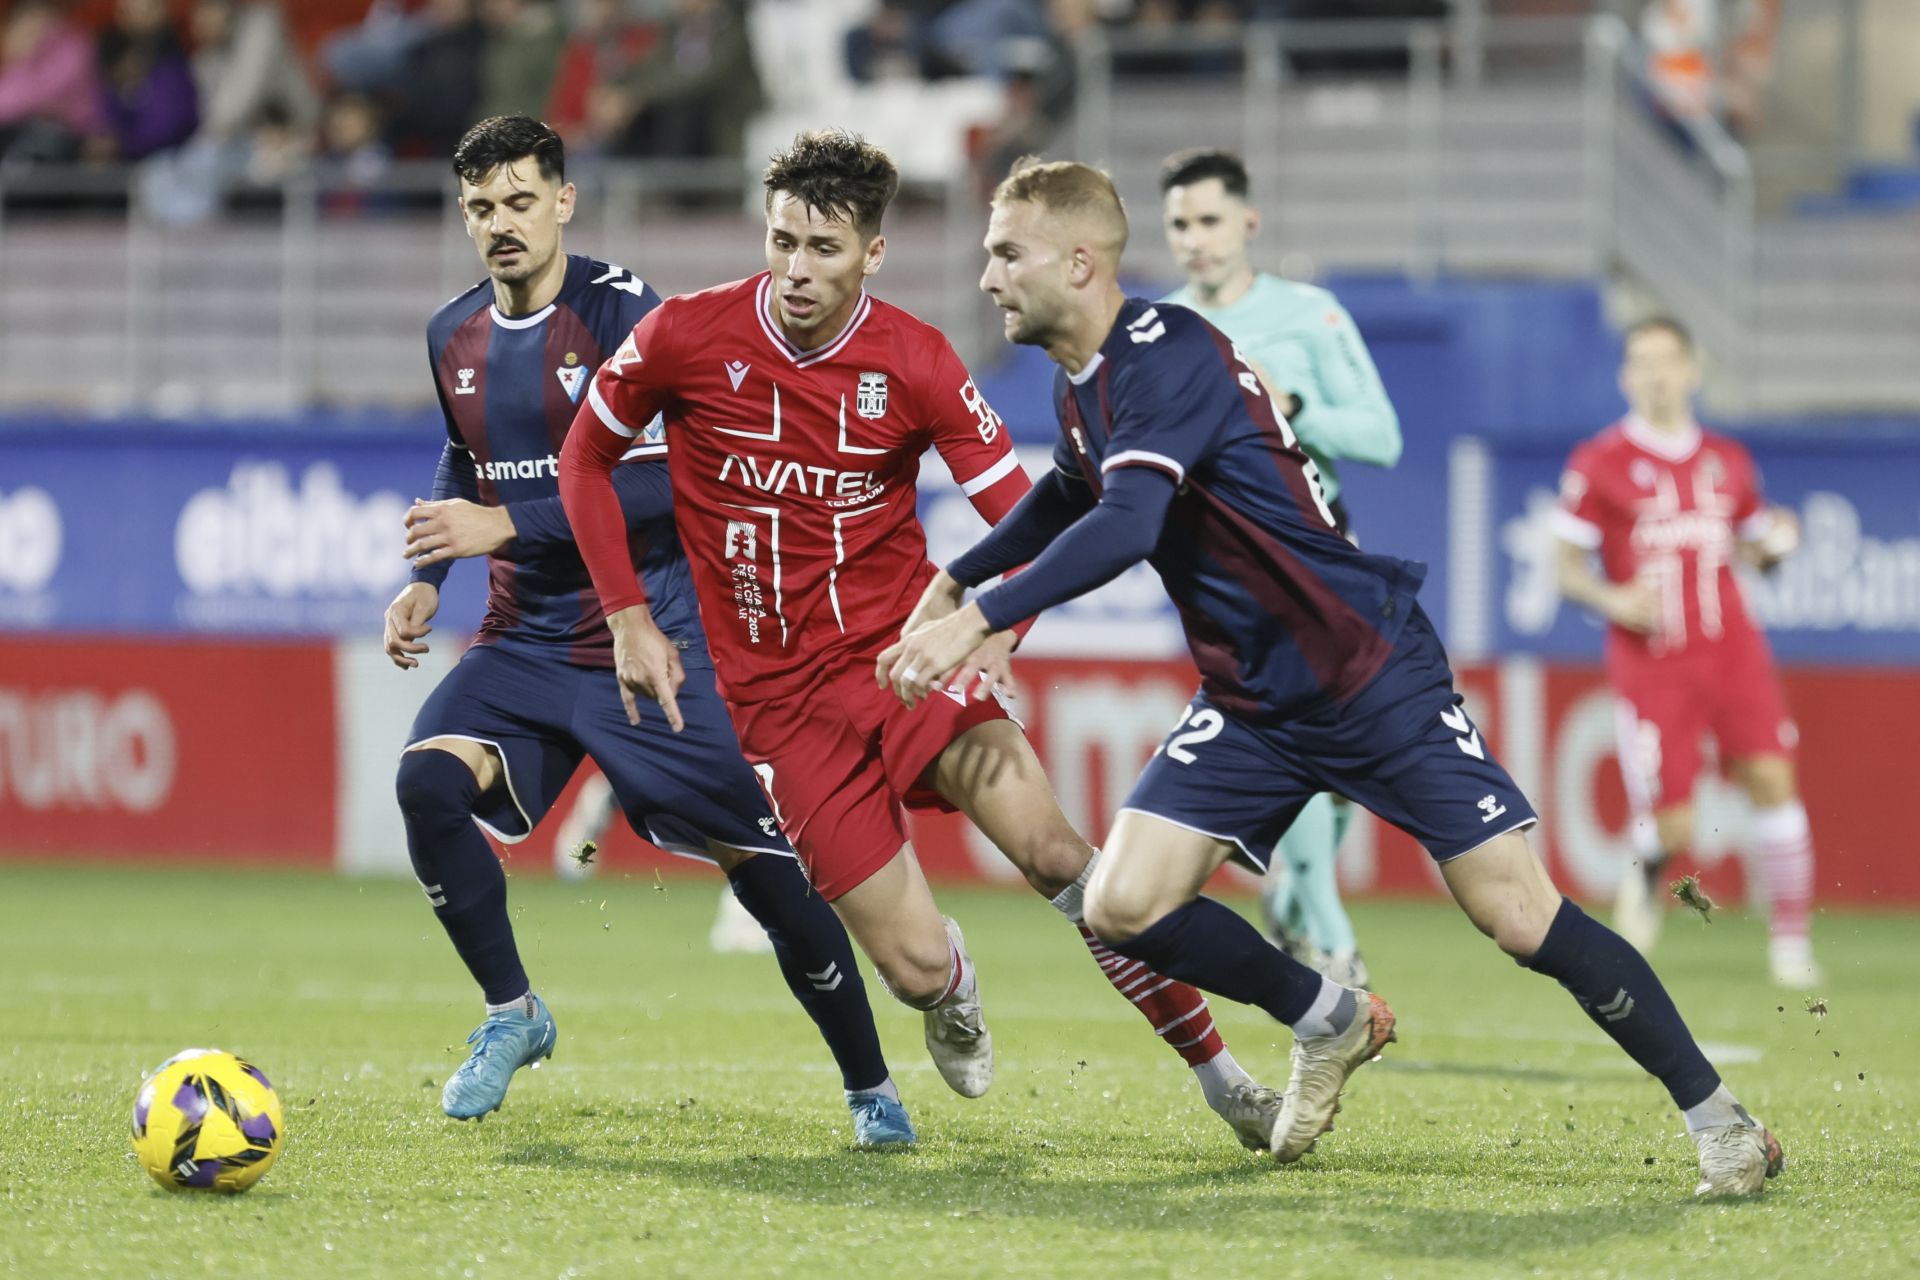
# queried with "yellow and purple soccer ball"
point(207, 1121)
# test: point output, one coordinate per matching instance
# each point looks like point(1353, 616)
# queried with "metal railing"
point(1519, 146)
point(318, 292)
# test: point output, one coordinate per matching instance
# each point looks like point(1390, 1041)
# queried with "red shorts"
point(841, 764)
point(1668, 704)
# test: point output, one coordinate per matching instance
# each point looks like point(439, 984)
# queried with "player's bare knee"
point(918, 971)
point(1116, 914)
point(1054, 861)
point(1768, 780)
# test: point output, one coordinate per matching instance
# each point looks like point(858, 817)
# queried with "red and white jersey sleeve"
point(970, 437)
point(1580, 517)
point(620, 421)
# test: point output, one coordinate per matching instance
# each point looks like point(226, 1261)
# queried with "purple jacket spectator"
point(147, 94)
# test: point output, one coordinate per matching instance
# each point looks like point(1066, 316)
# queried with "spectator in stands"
point(1039, 93)
point(439, 95)
point(49, 94)
point(257, 110)
point(524, 40)
point(606, 43)
point(245, 67)
point(975, 35)
point(693, 94)
point(372, 56)
point(148, 102)
point(353, 155)
point(894, 45)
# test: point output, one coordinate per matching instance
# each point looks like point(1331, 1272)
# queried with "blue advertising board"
point(279, 533)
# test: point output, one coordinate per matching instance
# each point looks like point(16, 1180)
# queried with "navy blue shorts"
point(1402, 747)
point(677, 789)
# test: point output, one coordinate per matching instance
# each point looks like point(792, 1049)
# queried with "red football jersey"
point(793, 471)
point(1671, 511)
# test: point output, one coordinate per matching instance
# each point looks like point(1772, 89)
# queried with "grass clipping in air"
point(1689, 893)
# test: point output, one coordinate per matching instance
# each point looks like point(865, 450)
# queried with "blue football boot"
point(503, 1044)
point(879, 1121)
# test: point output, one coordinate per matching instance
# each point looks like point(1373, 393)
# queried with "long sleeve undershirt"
point(1120, 531)
point(541, 523)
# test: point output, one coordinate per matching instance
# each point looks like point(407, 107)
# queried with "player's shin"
point(1214, 948)
point(816, 959)
point(1177, 1012)
point(1616, 987)
point(457, 868)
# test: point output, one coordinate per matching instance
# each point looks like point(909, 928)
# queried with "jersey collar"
point(506, 321)
point(1674, 448)
point(762, 308)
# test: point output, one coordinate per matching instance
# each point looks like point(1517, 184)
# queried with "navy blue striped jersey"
point(1282, 614)
point(509, 388)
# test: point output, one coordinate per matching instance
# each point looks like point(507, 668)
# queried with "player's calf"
point(458, 870)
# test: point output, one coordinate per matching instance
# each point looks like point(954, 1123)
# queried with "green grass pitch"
point(691, 1124)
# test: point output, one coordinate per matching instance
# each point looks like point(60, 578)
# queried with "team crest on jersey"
point(573, 377)
point(870, 400)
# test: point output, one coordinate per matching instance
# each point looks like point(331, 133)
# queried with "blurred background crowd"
point(222, 99)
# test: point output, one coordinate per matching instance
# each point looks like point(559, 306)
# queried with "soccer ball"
point(207, 1121)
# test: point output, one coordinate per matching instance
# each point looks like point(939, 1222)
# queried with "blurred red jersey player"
point(1670, 508)
point(797, 408)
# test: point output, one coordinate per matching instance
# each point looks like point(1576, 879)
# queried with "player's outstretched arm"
point(456, 528)
point(1045, 512)
point(1119, 532)
point(645, 661)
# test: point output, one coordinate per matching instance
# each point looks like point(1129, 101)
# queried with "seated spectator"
point(372, 57)
point(605, 44)
point(694, 93)
point(353, 159)
point(524, 39)
point(975, 35)
point(257, 108)
point(245, 67)
point(49, 94)
point(148, 103)
point(891, 45)
point(439, 97)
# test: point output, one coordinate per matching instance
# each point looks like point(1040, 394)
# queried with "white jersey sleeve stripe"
point(1144, 458)
point(606, 415)
point(1571, 528)
point(992, 475)
point(644, 451)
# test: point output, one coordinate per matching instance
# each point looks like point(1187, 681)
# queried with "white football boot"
point(1737, 1159)
point(1321, 1066)
point(957, 1035)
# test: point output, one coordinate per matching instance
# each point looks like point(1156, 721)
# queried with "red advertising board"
point(167, 749)
point(1094, 722)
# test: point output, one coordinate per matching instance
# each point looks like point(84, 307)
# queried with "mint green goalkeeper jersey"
point(1305, 343)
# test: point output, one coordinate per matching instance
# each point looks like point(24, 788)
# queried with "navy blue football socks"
point(1213, 947)
point(1617, 988)
point(816, 959)
point(458, 869)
